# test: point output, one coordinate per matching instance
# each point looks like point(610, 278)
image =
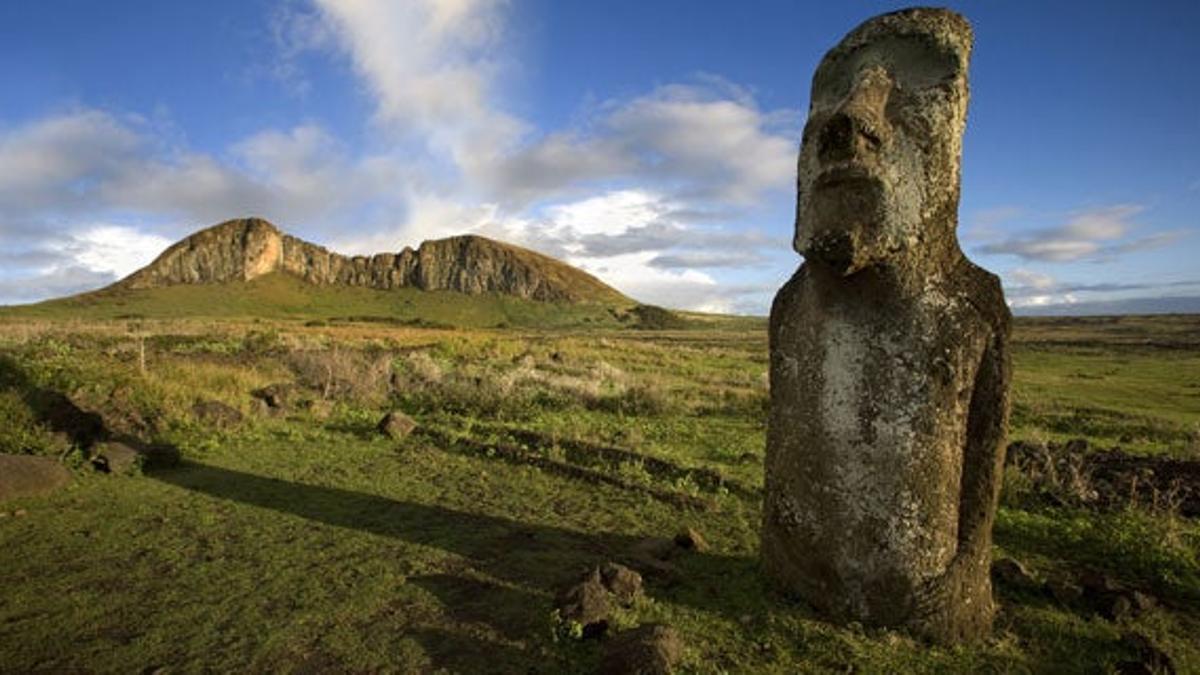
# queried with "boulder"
point(29, 476)
point(624, 583)
point(117, 458)
point(649, 649)
point(396, 425)
point(587, 603)
point(276, 396)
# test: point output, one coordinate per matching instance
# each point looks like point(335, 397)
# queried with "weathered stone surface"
point(27, 476)
point(244, 249)
point(396, 425)
point(625, 584)
point(277, 396)
point(586, 602)
point(117, 458)
point(889, 349)
point(649, 649)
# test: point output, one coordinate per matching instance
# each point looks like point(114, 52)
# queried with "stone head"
point(878, 172)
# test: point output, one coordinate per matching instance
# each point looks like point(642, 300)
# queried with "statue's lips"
point(845, 174)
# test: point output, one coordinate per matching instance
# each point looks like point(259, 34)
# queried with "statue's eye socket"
point(913, 62)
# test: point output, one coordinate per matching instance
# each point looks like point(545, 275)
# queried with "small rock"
point(624, 583)
point(275, 395)
point(1064, 591)
point(1012, 574)
point(396, 425)
point(691, 540)
point(27, 476)
point(649, 649)
point(20, 513)
point(216, 413)
point(587, 603)
point(117, 458)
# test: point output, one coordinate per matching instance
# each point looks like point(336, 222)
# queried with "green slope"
point(280, 296)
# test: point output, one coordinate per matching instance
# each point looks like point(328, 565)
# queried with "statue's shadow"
point(507, 571)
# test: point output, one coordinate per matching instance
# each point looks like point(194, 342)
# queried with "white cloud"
point(707, 142)
point(1030, 279)
point(1098, 234)
point(114, 249)
point(431, 66)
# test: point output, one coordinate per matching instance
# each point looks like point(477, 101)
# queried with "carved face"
point(879, 162)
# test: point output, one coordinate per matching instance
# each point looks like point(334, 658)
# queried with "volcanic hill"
point(248, 248)
point(249, 268)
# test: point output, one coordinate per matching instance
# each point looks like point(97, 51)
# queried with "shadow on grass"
point(530, 561)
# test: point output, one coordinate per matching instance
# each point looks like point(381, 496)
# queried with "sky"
point(650, 143)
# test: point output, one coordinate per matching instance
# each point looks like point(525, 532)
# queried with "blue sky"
point(652, 143)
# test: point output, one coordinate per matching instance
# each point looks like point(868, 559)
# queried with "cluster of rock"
point(102, 441)
point(1093, 591)
point(245, 249)
point(587, 607)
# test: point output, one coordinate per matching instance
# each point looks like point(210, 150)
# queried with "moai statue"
point(889, 349)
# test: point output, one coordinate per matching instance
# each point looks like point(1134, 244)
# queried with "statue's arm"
point(983, 458)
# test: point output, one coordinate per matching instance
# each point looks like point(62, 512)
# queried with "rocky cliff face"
point(241, 250)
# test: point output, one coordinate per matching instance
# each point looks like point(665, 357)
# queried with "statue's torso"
point(876, 392)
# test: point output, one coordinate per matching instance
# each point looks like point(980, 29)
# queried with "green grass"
point(310, 543)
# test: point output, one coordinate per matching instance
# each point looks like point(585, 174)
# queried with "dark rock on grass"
point(216, 413)
point(117, 458)
point(1150, 658)
point(691, 540)
point(587, 603)
point(27, 476)
point(1111, 599)
point(276, 396)
point(1013, 574)
point(127, 458)
point(396, 425)
point(624, 583)
point(650, 649)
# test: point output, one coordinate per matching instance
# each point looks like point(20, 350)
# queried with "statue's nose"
point(858, 127)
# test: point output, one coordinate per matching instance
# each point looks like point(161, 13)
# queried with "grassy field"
point(301, 540)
